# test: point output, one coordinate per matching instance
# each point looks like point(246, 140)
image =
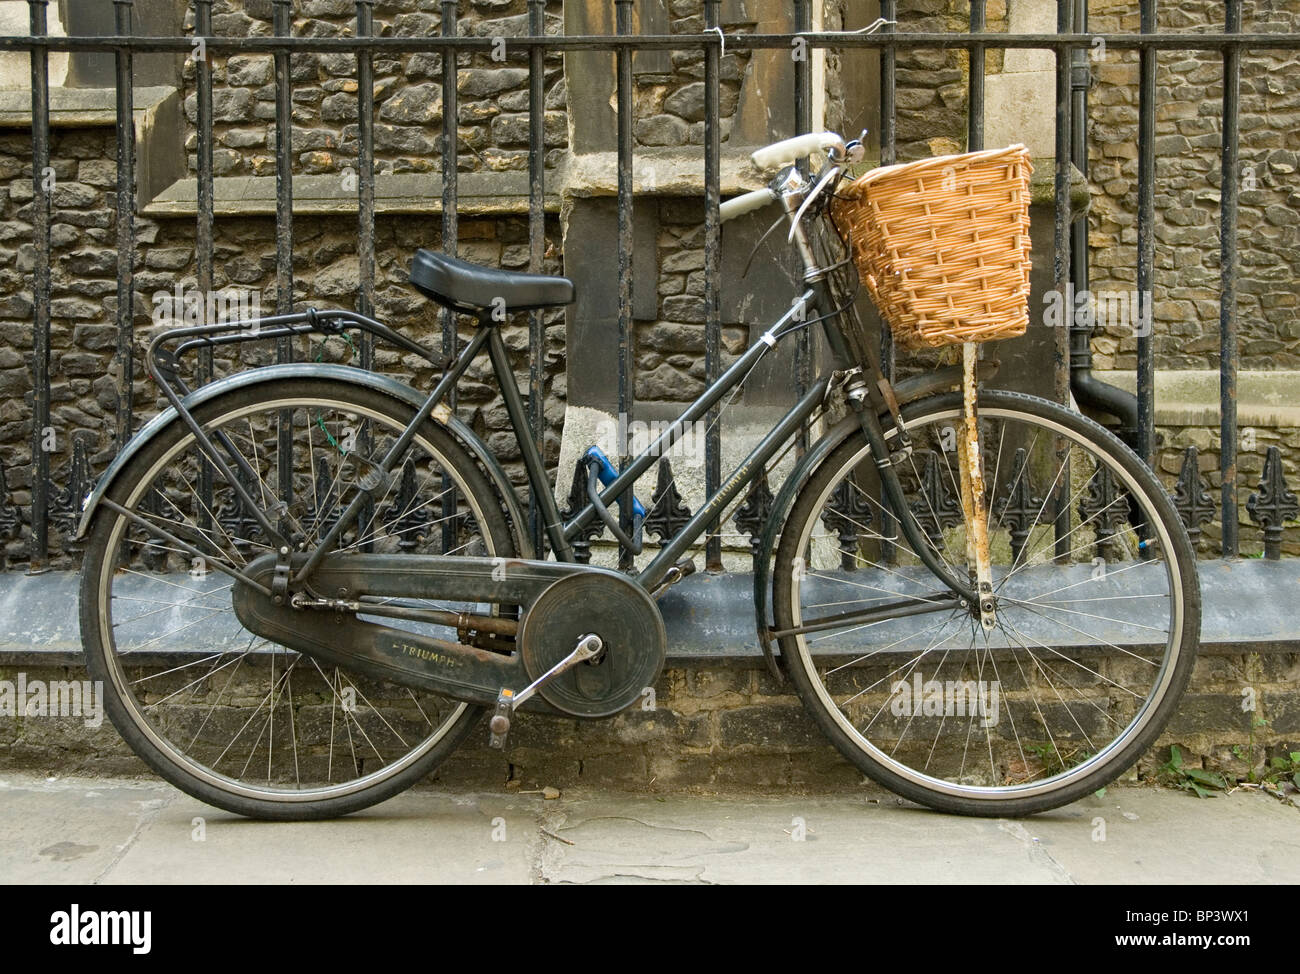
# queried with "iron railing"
point(1270, 506)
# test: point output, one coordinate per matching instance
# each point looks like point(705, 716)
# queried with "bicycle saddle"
point(467, 287)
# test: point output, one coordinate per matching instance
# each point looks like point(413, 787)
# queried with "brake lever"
point(754, 253)
point(829, 174)
point(777, 186)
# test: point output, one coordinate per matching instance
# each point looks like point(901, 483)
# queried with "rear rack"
point(163, 362)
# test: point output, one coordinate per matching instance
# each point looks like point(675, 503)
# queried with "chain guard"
point(626, 619)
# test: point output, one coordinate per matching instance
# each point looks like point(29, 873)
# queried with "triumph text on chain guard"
point(431, 658)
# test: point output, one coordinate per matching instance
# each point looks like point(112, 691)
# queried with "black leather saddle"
point(467, 287)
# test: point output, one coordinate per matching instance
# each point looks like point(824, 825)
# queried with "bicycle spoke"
point(1052, 691)
point(247, 712)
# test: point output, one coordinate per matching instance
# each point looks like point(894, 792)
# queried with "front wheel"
point(1097, 618)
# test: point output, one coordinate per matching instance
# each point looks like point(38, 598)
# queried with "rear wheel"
point(233, 719)
point(1098, 612)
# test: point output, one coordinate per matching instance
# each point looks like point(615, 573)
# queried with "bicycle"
point(355, 574)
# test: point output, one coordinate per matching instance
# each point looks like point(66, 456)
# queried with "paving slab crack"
point(615, 877)
point(153, 807)
point(644, 824)
point(1037, 854)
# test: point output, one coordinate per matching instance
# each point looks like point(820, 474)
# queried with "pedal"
point(675, 574)
point(499, 725)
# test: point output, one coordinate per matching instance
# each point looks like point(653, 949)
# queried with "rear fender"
point(378, 382)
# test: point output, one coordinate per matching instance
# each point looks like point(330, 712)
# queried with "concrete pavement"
point(121, 830)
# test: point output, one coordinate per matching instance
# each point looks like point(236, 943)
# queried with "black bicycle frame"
point(560, 533)
point(816, 298)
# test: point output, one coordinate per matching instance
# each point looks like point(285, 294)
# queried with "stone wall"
point(1187, 195)
point(493, 95)
point(931, 84)
point(1187, 192)
point(931, 96)
point(83, 301)
point(931, 120)
point(722, 726)
point(492, 118)
point(83, 331)
point(670, 350)
point(669, 342)
point(669, 104)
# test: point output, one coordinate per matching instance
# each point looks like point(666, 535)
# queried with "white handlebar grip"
point(744, 204)
point(788, 150)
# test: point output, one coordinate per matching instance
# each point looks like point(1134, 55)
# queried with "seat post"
point(534, 465)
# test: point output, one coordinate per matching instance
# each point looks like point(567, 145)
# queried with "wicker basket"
point(943, 245)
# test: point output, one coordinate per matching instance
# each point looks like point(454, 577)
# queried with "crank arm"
point(589, 647)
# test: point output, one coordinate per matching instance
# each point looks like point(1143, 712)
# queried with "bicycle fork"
point(870, 396)
point(973, 506)
point(868, 404)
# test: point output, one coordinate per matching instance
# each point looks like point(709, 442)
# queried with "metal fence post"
point(712, 275)
point(282, 11)
point(203, 231)
point(802, 124)
point(975, 100)
point(450, 224)
point(450, 164)
point(623, 68)
point(1146, 379)
point(43, 190)
point(537, 249)
point(366, 174)
point(125, 223)
point(1061, 263)
point(1228, 282)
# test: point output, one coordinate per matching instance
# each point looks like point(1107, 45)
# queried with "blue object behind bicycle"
point(607, 474)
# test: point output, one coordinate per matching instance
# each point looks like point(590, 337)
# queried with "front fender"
point(300, 370)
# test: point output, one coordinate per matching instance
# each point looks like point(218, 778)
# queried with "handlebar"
point(746, 203)
point(791, 150)
point(780, 154)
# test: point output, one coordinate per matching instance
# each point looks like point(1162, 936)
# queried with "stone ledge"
point(720, 722)
point(77, 107)
point(1190, 397)
point(156, 118)
point(710, 618)
point(659, 172)
point(680, 172)
point(479, 194)
point(677, 171)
